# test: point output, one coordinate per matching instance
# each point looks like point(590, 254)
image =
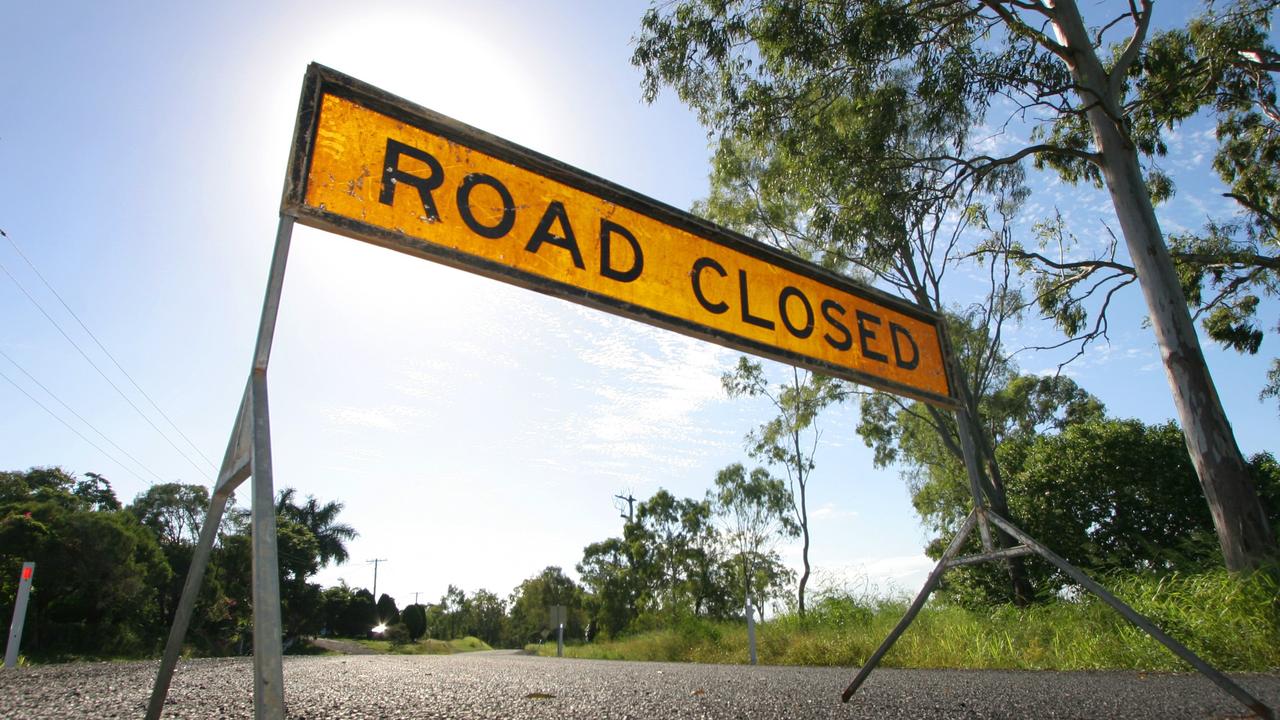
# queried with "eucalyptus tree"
point(789, 440)
point(1219, 65)
point(819, 163)
point(855, 112)
point(757, 509)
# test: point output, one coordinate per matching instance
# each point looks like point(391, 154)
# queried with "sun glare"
point(452, 66)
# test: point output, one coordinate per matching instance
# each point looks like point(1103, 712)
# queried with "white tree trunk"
point(1243, 531)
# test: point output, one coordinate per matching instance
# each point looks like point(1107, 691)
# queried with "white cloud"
point(828, 511)
point(383, 418)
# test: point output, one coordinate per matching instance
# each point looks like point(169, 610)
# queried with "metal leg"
point(1133, 616)
point(234, 471)
point(934, 578)
point(268, 665)
point(190, 591)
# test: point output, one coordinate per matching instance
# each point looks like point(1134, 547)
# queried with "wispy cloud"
point(828, 511)
point(380, 418)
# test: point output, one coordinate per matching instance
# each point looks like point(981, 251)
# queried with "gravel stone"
point(503, 684)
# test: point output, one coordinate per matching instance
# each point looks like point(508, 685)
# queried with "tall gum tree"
point(1243, 532)
point(942, 66)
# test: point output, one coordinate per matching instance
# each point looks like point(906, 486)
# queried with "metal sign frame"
point(248, 451)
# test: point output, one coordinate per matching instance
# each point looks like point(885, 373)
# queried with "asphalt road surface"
point(507, 685)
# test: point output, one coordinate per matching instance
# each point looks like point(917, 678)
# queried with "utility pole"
point(630, 501)
point(415, 597)
point(375, 562)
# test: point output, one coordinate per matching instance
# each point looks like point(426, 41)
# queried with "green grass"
point(428, 646)
point(1233, 624)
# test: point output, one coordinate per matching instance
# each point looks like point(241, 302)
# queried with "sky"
point(475, 432)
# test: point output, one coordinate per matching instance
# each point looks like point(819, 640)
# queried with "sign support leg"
point(935, 577)
point(1029, 546)
point(190, 591)
point(248, 453)
point(1138, 619)
point(268, 663)
point(234, 470)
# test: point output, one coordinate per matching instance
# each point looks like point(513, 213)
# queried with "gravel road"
point(506, 685)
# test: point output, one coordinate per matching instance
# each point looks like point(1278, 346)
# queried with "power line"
point(69, 427)
point(104, 375)
point(81, 418)
point(105, 351)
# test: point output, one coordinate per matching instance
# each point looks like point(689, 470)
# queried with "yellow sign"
point(376, 168)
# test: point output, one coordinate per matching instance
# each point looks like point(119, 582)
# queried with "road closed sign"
point(377, 168)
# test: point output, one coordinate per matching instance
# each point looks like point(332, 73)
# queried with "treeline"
point(109, 576)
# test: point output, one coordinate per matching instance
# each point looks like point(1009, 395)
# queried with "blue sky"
point(476, 432)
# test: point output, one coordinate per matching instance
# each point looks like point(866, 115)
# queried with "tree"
point(100, 573)
point(529, 619)
point(414, 618)
point(927, 446)
point(791, 168)
point(781, 441)
point(322, 520)
point(488, 614)
point(757, 509)
point(388, 613)
point(348, 612)
point(673, 547)
point(1221, 61)
point(174, 511)
point(453, 608)
point(1119, 495)
point(608, 574)
point(940, 67)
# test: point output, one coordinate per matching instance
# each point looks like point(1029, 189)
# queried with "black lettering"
point(464, 206)
point(747, 317)
point(865, 333)
point(392, 175)
point(787, 293)
point(828, 306)
point(896, 330)
point(607, 231)
point(698, 266)
point(556, 212)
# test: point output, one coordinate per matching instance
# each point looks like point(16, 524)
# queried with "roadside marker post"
point(377, 168)
point(19, 614)
point(559, 615)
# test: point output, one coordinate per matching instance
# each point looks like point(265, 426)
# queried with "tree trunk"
point(804, 550)
point(1243, 531)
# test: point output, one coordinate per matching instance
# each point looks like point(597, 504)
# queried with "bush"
point(397, 634)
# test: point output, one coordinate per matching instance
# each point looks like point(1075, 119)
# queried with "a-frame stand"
point(981, 516)
point(248, 454)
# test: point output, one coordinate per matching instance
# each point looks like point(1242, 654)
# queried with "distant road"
point(503, 684)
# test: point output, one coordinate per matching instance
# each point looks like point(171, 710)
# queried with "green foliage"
point(1230, 621)
point(427, 647)
point(757, 509)
point(414, 618)
point(173, 511)
point(488, 616)
point(348, 612)
point(321, 520)
point(98, 571)
point(790, 439)
point(397, 635)
point(529, 620)
point(388, 613)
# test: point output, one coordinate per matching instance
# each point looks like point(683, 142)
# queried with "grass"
point(1231, 623)
point(427, 646)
